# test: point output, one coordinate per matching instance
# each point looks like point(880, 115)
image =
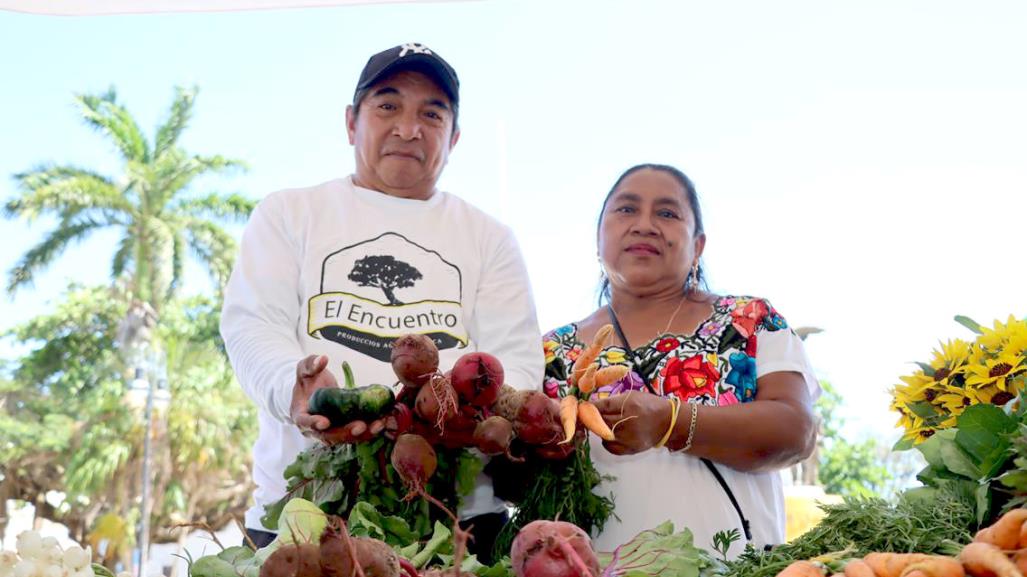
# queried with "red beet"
point(477, 378)
point(493, 435)
point(415, 358)
point(538, 419)
point(553, 549)
point(414, 460)
point(436, 403)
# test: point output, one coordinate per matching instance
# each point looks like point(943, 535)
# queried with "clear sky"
point(861, 164)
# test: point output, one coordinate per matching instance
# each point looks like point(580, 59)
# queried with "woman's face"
point(646, 236)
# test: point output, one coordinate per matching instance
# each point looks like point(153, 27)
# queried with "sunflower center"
point(941, 374)
point(1000, 369)
point(929, 394)
point(1001, 398)
point(927, 433)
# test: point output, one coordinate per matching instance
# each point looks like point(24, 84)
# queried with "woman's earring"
point(693, 279)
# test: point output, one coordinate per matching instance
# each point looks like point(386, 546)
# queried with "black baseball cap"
point(409, 56)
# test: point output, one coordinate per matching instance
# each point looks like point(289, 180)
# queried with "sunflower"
point(1001, 335)
point(995, 370)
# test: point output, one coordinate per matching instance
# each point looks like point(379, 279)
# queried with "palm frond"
point(174, 172)
point(64, 191)
point(178, 118)
point(44, 253)
point(124, 255)
point(231, 206)
point(212, 246)
point(103, 113)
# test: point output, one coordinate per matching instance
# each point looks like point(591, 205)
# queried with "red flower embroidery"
point(689, 378)
point(666, 345)
point(746, 319)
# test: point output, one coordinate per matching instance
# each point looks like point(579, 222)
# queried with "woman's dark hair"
point(693, 203)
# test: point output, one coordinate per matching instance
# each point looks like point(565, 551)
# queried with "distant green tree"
point(66, 428)
point(844, 467)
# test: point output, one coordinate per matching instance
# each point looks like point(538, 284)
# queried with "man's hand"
point(641, 420)
point(312, 374)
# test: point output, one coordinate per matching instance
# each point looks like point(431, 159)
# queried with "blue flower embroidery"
point(742, 376)
point(774, 322)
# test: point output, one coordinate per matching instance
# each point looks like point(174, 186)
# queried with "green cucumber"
point(352, 403)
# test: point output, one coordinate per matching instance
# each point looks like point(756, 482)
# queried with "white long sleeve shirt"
point(342, 271)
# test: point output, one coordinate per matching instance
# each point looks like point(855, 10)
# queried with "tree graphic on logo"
point(386, 273)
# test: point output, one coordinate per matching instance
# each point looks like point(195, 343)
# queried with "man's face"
point(402, 135)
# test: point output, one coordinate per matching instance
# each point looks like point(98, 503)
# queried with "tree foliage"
point(151, 203)
point(67, 427)
point(846, 467)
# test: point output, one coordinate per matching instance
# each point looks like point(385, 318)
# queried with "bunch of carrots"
point(999, 550)
point(585, 377)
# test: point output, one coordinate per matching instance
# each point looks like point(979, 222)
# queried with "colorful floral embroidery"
point(715, 366)
point(692, 377)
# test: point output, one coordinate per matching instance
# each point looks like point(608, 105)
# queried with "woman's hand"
point(639, 421)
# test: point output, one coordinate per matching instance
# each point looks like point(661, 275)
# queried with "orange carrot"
point(987, 560)
point(611, 374)
point(1004, 533)
point(589, 416)
point(934, 566)
point(569, 417)
point(892, 564)
point(1020, 560)
point(587, 383)
point(802, 569)
point(858, 568)
point(590, 353)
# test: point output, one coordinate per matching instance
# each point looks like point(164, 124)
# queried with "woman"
point(720, 393)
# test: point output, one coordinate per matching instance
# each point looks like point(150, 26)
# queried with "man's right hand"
point(312, 374)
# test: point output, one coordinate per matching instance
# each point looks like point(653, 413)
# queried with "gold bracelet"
point(691, 429)
point(675, 404)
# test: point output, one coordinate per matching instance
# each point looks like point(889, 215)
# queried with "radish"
point(477, 378)
point(415, 358)
point(553, 549)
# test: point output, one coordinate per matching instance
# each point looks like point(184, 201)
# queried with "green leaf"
point(983, 495)
point(958, 462)
point(923, 409)
point(969, 323)
point(903, 444)
point(983, 432)
point(658, 551)
point(468, 466)
point(931, 448)
point(927, 369)
point(1015, 480)
point(438, 540)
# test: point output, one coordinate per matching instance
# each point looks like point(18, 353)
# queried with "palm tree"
point(148, 202)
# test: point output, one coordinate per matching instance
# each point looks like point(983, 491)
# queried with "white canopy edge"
point(108, 7)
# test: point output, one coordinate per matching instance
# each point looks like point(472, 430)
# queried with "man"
point(337, 271)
